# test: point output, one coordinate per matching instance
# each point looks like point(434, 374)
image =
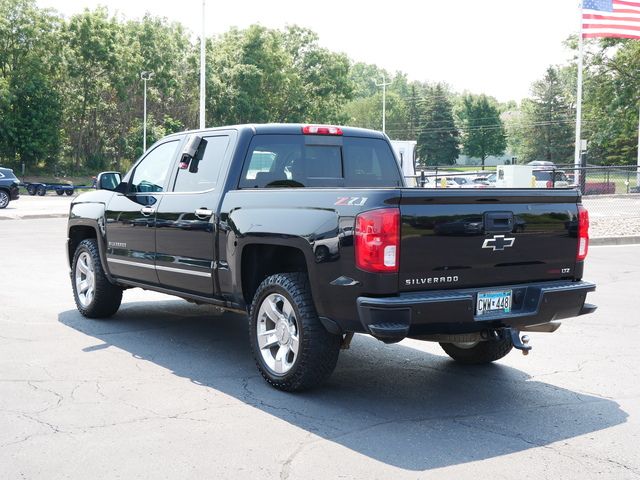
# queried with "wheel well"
point(76, 235)
point(261, 261)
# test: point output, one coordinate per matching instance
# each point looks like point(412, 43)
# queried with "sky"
point(497, 47)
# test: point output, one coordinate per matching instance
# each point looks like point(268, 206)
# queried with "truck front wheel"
point(94, 295)
point(476, 353)
point(292, 350)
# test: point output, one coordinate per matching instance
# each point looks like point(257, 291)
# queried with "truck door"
point(186, 219)
point(131, 216)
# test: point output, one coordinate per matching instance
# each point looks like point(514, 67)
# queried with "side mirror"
point(192, 153)
point(108, 181)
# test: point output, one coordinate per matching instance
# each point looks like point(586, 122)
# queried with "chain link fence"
point(611, 193)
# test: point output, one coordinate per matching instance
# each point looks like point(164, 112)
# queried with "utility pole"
point(202, 69)
point(145, 76)
point(384, 86)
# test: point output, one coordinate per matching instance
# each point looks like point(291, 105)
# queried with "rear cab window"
point(277, 161)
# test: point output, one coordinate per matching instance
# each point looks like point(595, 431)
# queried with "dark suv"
point(8, 187)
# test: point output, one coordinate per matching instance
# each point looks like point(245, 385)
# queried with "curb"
point(36, 216)
point(603, 241)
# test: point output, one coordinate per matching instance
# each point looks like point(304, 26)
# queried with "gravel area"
point(614, 215)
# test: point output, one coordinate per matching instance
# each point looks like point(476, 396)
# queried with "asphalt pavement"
point(167, 389)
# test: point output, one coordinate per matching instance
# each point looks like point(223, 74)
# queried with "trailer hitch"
point(521, 344)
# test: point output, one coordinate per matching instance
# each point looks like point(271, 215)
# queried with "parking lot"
point(167, 389)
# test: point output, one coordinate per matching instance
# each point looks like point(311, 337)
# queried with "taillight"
point(378, 240)
point(549, 184)
point(583, 233)
point(321, 130)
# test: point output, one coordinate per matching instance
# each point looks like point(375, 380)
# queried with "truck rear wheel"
point(94, 295)
point(476, 353)
point(292, 350)
point(41, 191)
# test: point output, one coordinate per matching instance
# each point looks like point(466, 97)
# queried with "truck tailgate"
point(473, 238)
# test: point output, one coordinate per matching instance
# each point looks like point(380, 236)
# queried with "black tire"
point(482, 352)
point(69, 192)
point(59, 191)
point(31, 189)
point(317, 348)
point(41, 191)
point(5, 198)
point(106, 297)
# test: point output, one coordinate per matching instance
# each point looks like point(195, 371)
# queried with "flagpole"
point(638, 169)
point(578, 147)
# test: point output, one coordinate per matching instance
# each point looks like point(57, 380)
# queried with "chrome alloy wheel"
point(4, 199)
point(278, 334)
point(85, 279)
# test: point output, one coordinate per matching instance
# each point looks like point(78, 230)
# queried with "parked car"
point(8, 187)
point(324, 240)
point(488, 181)
point(546, 178)
point(542, 163)
point(462, 182)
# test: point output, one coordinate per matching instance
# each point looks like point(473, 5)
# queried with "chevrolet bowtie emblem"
point(498, 243)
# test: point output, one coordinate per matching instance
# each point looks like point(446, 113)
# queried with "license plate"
point(491, 302)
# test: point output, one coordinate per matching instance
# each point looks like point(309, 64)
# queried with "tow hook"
point(521, 344)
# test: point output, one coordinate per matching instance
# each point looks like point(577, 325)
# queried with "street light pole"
point(202, 70)
point(145, 76)
point(384, 85)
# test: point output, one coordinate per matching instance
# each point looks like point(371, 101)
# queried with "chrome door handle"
point(203, 213)
point(146, 211)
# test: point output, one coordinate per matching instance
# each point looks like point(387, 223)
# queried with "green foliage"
point(71, 96)
point(545, 126)
point(438, 138)
point(30, 106)
point(483, 132)
point(259, 75)
point(612, 101)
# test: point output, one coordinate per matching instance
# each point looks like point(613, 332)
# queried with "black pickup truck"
point(312, 232)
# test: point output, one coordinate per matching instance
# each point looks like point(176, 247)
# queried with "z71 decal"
point(354, 201)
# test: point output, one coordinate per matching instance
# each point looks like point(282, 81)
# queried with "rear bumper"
point(14, 193)
point(453, 311)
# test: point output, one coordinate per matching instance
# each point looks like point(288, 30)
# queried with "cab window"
point(205, 174)
point(151, 173)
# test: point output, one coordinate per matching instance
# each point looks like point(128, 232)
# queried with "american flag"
point(611, 18)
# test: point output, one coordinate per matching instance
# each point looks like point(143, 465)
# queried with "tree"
point(262, 75)
point(30, 105)
point(94, 42)
point(548, 121)
point(483, 133)
point(438, 137)
point(611, 102)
